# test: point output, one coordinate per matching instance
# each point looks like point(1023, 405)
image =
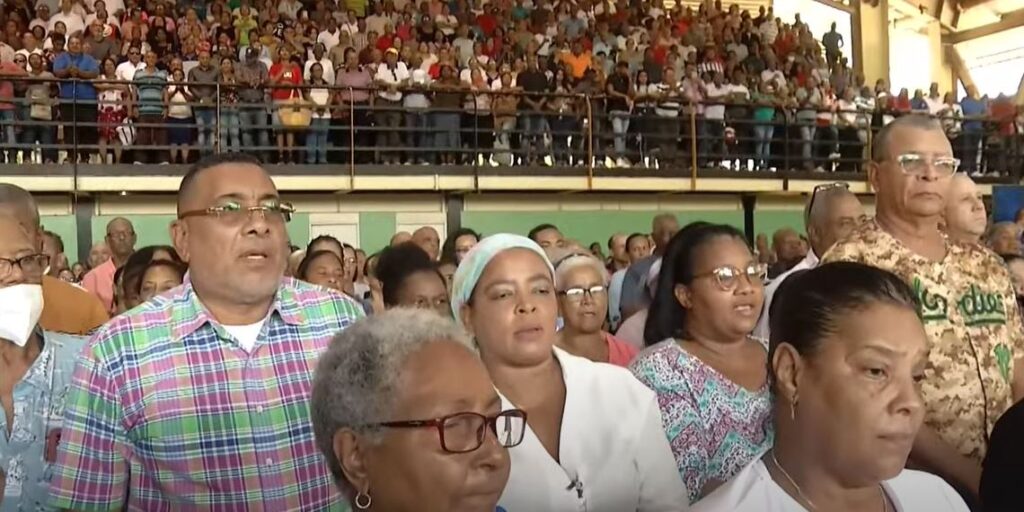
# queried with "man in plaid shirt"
point(198, 399)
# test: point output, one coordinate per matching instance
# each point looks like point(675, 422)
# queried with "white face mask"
point(20, 307)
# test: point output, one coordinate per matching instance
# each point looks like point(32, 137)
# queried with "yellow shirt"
point(972, 321)
point(69, 309)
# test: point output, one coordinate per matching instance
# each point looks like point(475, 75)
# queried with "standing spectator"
point(665, 133)
point(319, 96)
point(78, 97)
point(417, 115)
point(101, 44)
point(330, 36)
point(229, 123)
point(533, 120)
point(504, 106)
point(833, 43)
point(244, 23)
point(39, 94)
point(974, 114)
point(353, 101)
point(73, 22)
point(202, 87)
point(126, 70)
point(178, 101)
point(252, 76)
point(390, 77)
point(951, 115)
point(564, 119)
point(713, 140)
point(151, 112)
point(765, 102)
point(620, 104)
point(809, 98)
point(447, 102)
point(113, 96)
point(284, 74)
point(8, 110)
point(848, 123)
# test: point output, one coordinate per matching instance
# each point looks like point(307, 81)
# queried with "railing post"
point(351, 141)
point(218, 143)
point(693, 146)
point(590, 142)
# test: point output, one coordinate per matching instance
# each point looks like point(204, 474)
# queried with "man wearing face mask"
point(35, 370)
point(69, 309)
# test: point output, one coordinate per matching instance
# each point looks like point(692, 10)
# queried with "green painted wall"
point(768, 221)
point(64, 226)
point(588, 226)
point(376, 230)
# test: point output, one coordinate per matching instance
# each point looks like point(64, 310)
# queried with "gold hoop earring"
point(360, 504)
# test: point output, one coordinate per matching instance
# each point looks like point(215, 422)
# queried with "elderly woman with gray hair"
point(582, 283)
point(408, 419)
point(594, 438)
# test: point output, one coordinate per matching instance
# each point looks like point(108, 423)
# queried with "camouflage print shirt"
point(971, 317)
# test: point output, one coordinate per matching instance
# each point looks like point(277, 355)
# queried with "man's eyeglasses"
point(464, 432)
point(728, 277)
point(235, 214)
point(577, 294)
point(33, 264)
point(914, 164)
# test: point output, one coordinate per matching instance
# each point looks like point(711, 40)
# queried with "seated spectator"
point(582, 283)
point(837, 331)
point(322, 268)
point(393, 373)
point(159, 277)
point(409, 278)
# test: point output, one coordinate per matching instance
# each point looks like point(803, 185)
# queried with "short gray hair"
point(572, 261)
point(880, 144)
point(359, 376)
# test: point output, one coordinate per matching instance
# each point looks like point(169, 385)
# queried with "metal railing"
point(476, 130)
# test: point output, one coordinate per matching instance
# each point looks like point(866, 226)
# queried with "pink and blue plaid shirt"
point(167, 412)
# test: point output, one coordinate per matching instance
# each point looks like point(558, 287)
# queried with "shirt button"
point(259, 409)
point(270, 462)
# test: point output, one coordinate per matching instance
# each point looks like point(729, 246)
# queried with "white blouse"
point(614, 454)
point(754, 490)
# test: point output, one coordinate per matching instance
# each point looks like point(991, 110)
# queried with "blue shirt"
point(972, 107)
point(614, 297)
point(78, 89)
point(38, 415)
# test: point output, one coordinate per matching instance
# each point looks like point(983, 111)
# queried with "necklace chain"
point(800, 492)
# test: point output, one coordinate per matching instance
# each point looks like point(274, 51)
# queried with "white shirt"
point(762, 330)
point(934, 104)
point(126, 70)
point(246, 335)
point(328, 39)
point(72, 21)
point(614, 454)
point(716, 94)
point(388, 76)
point(754, 490)
point(326, 64)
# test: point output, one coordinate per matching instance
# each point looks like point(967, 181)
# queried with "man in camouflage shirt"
point(967, 302)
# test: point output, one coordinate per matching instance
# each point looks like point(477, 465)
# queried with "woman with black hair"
point(708, 373)
point(848, 351)
point(409, 279)
point(158, 277)
point(322, 268)
point(458, 244)
point(127, 279)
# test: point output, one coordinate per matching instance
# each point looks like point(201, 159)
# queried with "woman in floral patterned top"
point(710, 377)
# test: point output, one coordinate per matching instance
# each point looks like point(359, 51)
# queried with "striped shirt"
point(167, 412)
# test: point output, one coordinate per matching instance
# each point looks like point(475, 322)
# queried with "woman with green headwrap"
point(594, 438)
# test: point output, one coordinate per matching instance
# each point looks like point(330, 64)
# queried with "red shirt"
point(384, 42)
point(295, 77)
point(487, 23)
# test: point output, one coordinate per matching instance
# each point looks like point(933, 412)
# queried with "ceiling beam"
point(967, 4)
point(836, 4)
point(1007, 21)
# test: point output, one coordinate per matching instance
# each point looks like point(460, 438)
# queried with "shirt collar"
point(188, 313)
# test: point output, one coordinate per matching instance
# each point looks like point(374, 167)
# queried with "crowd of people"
point(879, 369)
point(533, 82)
